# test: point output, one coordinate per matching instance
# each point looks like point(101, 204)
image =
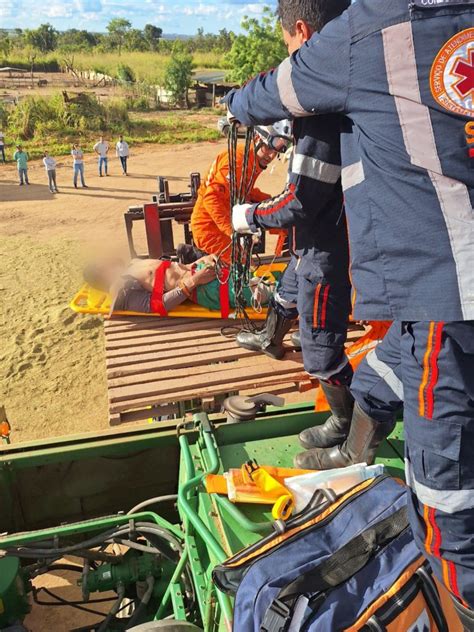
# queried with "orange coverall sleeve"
point(216, 202)
point(216, 198)
point(258, 196)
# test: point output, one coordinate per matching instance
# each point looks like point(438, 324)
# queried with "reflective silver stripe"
point(286, 90)
point(281, 301)
point(386, 373)
point(417, 129)
point(352, 175)
point(316, 169)
point(447, 500)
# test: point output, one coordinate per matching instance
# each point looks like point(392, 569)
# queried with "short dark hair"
point(316, 13)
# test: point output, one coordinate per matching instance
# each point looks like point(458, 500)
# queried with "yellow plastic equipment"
point(91, 301)
point(262, 485)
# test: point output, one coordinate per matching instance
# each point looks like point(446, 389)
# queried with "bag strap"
point(337, 569)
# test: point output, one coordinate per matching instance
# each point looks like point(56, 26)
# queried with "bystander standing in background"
point(21, 158)
point(2, 146)
point(50, 166)
point(123, 152)
point(78, 164)
point(102, 149)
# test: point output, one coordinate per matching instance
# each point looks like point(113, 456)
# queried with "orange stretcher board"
point(90, 301)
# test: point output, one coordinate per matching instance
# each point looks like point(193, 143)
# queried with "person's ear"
point(303, 31)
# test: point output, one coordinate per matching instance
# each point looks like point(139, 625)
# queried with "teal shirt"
point(21, 158)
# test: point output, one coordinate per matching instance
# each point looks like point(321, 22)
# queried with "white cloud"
point(184, 16)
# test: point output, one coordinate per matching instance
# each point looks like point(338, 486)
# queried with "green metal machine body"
point(143, 463)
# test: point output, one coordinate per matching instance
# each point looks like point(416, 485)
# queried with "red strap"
point(156, 302)
point(224, 293)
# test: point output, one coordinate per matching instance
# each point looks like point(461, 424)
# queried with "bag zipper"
point(395, 606)
point(297, 521)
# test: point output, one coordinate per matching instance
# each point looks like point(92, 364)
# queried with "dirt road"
point(52, 371)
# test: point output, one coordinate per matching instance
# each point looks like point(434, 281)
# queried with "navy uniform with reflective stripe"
point(317, 280)
point(403, 74)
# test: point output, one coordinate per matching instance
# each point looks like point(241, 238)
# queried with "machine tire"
point(166, 626)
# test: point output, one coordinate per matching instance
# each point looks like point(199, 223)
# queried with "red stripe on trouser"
point(325, 305)
point(316, 306)
point(434, 370)
point(433, 547)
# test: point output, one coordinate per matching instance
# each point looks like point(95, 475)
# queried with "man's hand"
point(203, 276)
point(239, 219)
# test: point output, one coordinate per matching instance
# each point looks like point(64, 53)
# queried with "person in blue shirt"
point(401, 71)
point(315, 287)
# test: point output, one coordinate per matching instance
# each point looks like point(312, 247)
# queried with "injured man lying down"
point(158, 286)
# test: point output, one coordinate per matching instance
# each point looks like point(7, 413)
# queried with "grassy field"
point(148, 67)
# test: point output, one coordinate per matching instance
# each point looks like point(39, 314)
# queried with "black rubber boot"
point(268, 340)
point(296, 339)
point(466, 616)
point(336, 429)
point(365, 436)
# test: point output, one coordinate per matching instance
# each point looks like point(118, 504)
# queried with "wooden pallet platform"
point(154, 365)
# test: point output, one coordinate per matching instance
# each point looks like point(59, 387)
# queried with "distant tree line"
point(120, 36)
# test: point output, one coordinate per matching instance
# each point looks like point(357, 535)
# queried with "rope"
point(242, 245)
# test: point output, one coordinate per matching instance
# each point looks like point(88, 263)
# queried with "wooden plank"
point(158, 348)
point(176, 383)
point(147, 323)
point(227, 355)
point(185, 372)
point(257, 384)
point(129, 360)
point(158, 338)
point(138, 332)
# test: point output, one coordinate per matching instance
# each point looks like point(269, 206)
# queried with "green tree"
point(75, 39)
point(261, 47)
point(5, 45)
point(118, 29)
point(44, 38)
point(135, 40)
point(179, 76)
point(152, 35)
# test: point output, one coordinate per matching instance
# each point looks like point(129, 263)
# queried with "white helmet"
point(278, 136)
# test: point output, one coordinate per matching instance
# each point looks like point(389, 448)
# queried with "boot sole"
point(260, 350)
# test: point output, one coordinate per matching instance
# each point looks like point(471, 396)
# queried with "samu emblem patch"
point(452, 74)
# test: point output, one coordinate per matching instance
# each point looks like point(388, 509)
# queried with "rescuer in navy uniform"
point(403, 72)
point(316, 284)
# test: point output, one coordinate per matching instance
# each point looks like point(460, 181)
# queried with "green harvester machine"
point(128, 510)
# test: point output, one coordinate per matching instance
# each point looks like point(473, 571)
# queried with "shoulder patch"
point(452, 74)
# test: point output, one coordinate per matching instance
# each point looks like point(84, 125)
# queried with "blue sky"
point(185, 16)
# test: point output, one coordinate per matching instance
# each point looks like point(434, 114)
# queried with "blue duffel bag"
point(350, 564)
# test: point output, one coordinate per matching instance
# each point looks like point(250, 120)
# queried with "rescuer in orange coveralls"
point(211, 221)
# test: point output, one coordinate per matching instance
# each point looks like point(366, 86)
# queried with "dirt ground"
point(52, 367)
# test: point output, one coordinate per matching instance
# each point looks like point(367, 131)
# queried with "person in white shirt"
point(2, 146)
point(50, 166)
point(102, 149)
point(78, 164)
point(123, 152)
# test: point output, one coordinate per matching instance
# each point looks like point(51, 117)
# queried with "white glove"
point(239, 219)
